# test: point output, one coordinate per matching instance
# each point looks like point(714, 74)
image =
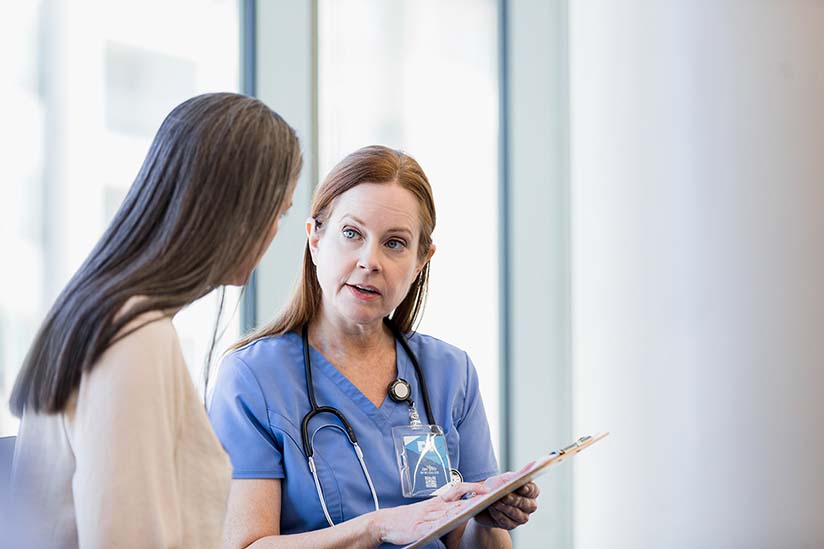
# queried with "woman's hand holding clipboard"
point(477, 504)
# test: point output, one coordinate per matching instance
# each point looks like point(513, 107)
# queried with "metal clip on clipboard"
point(577, 445)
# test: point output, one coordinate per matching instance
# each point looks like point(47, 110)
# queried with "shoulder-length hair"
point(209, 190)
point(374, 164)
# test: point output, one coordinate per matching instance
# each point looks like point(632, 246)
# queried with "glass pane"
point(422, 76)
point(81, 97)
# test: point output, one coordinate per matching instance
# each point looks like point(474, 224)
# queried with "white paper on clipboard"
point(477, 504)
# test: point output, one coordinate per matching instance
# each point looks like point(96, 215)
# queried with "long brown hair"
point(375, 164)
point(210, 188)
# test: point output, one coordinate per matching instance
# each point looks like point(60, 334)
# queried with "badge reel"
point(420, 449)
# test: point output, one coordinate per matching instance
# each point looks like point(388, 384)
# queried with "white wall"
point(697, 177)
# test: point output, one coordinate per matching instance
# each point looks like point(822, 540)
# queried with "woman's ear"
point(426, 259)
point(312, 235)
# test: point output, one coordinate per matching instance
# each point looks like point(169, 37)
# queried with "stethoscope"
point(399, 391)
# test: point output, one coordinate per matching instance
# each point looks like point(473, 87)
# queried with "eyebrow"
point(404, 230)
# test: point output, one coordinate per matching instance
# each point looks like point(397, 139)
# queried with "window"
point(81, 97)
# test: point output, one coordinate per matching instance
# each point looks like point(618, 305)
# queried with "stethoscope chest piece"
point(399, 390)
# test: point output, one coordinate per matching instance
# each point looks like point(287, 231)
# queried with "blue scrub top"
point(260, 399)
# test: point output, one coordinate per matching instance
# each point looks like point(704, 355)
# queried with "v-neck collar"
point(388, 408)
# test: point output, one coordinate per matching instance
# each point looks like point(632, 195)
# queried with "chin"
point(363, 318)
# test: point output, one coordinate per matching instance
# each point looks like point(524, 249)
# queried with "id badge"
point(423, 459)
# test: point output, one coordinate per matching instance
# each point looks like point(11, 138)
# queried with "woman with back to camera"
point(318, 408)
point(115, 448)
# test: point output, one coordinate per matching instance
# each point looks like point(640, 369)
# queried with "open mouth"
point(368, 290)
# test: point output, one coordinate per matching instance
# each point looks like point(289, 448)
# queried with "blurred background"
point(630, 219)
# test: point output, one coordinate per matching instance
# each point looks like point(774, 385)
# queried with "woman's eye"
point(395, 244)
point(349, 233)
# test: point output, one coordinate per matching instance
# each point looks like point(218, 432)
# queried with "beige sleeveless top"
point(132, 462)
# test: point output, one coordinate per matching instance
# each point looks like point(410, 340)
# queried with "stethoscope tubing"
point(315, 410)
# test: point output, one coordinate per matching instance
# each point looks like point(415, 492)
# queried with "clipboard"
point(479, 503)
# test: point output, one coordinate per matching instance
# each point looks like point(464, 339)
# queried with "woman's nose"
point(369, 258)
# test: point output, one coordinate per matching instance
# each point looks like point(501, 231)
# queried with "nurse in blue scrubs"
point(306, 406)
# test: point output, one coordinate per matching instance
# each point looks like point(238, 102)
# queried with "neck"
point(336, 339)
